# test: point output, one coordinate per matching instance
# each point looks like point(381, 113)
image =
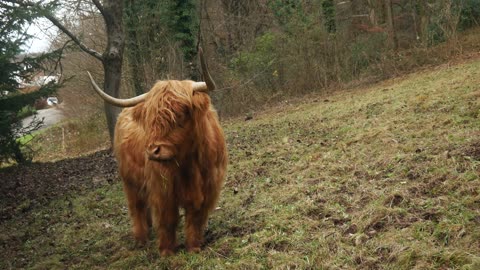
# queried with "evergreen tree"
point(183, 24)
point(15, 66)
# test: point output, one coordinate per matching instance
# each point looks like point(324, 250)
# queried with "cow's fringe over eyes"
point(164, 104)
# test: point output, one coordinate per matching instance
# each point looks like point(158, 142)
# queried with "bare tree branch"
point(99, 6)
point(60, 26)
point(58, 63)
point(74, 38)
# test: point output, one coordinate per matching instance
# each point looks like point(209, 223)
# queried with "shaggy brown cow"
point(171, 153)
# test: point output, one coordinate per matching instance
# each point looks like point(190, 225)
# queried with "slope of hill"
point(385, 177)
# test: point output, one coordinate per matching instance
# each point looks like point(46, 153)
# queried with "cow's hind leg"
point(137, 206)
point(195, 223)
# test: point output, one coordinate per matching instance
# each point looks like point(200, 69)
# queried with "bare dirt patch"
point(25, 187)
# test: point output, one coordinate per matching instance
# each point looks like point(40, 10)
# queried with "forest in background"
point(261, 51)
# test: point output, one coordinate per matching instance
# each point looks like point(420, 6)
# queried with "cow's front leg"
point(195, 223)
point(137, 207)
point(166, 225)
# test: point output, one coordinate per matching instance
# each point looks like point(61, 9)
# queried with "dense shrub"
point(470, 14)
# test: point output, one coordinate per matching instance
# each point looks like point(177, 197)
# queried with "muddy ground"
point(26, 187)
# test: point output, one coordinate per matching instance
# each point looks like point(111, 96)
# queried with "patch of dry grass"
point(385, 177)
point(71, 138)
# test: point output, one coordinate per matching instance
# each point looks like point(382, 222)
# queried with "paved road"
point(51, 116)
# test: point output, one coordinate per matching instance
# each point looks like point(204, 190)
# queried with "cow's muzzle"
point(160, 151)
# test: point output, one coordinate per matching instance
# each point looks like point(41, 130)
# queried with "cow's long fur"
point(172, 113)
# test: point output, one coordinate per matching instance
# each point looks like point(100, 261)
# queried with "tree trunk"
point(343, 21)
point(392, 39)
point(371, 13)
point(113, 57)
point(424, 21)
point(133, 49)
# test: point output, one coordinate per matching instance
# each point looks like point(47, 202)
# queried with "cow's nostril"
point(160, 152)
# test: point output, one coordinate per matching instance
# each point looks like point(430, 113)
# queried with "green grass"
point(26, 139)
point(29, 137)
point(385, 177)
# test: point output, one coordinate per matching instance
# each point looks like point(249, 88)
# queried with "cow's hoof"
point(166, 252)
point(140, 238)
point(140, 243)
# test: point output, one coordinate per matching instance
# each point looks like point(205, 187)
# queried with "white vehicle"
point(52, 101)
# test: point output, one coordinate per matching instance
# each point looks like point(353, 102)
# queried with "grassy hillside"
point(385, 177)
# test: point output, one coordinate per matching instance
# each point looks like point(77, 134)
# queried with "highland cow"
point(171, 154)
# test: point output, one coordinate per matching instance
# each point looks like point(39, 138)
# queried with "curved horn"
point(209, 84)
point(200, 86)
point(130, 102)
